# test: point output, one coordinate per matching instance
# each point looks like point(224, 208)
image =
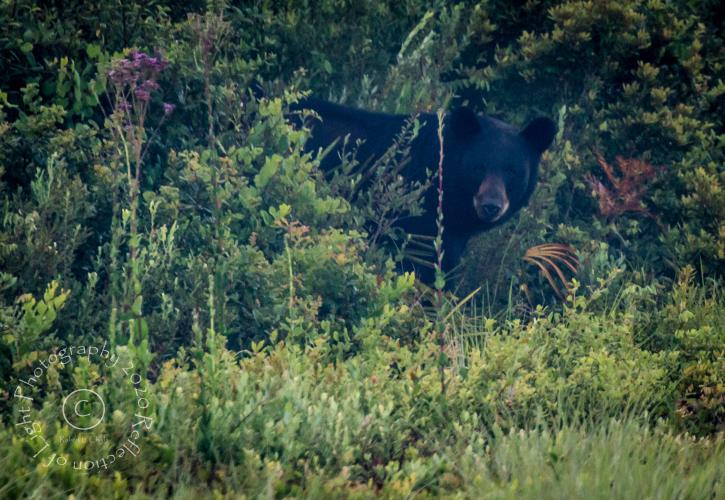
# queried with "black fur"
point(485, 160)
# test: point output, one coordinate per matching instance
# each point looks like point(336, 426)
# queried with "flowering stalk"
point(440, 279)
point(133, 80)
point(208, 30)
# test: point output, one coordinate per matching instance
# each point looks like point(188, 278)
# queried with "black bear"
point(489, 167)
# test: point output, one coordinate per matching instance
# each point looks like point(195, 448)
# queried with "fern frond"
point(550, 257)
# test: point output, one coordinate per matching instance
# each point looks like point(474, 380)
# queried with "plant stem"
point(439, 275)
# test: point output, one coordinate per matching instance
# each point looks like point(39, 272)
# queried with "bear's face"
point(494, 166)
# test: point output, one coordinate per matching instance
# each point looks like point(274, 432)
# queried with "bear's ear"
point(464, 123)
point(539, 134)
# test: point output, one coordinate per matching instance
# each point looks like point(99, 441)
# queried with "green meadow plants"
point(243, 315)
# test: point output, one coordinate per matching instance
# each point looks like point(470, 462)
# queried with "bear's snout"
point(491, 200)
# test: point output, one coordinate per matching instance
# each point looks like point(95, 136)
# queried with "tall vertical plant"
point(208, 31)
point(133, 81)
point(440, 278)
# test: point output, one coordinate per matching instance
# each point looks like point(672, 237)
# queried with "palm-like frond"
point(550, 258)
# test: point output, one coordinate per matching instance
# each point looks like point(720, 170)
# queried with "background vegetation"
point(155, 196)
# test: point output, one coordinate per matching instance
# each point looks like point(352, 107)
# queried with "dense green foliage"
point(157, 200)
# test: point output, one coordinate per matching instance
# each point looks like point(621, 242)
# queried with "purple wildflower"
point(149, 86)
point(123, 105)
point(168, 108)
point(142, 94)
point(137, 74)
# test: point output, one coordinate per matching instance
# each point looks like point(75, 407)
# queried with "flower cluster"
point(137, 76)
point(133, 80)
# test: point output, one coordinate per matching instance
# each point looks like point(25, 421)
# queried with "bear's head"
point(490, 167)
